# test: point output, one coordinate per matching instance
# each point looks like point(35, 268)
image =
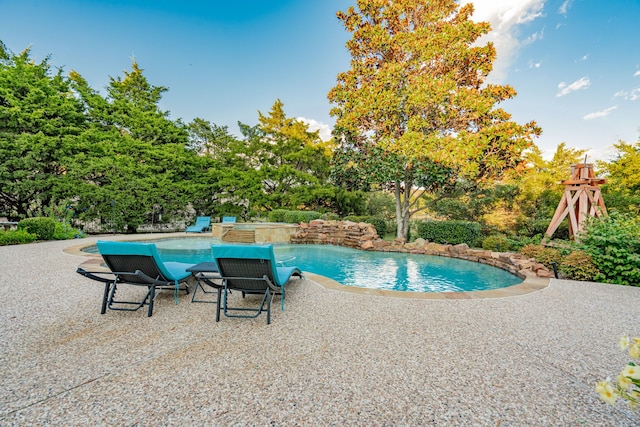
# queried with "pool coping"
point(529, 284)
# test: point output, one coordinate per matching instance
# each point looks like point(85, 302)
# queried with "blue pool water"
point(374, 270)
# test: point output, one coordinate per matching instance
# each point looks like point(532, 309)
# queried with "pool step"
point(239, 236)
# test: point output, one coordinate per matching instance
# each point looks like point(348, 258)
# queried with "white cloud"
point(633, 95)
point(565, 89)
point(584, 58)
point(314, 125)
point(505, 17)
point(534, 37)
point(599, 114)
point(636, 74)
point(564, 7)
point(535, 64)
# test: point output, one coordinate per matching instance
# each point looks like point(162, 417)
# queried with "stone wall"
point(360, 235)
point(357, 235)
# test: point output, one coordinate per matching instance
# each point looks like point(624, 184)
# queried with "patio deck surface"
point(331, 358)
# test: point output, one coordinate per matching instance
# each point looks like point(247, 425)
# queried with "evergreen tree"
point(40, 121)
point(133, 160)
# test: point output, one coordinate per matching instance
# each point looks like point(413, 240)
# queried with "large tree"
point(539, 181)
point(292, 162)
point(278, 163)
point(40, 121)
point(133, 162)
point(622, 190)
point(414, 110)
point(228, 185)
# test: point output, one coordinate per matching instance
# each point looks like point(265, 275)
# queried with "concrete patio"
point(331, 358)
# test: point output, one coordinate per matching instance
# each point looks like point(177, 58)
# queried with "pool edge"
point(529, 285)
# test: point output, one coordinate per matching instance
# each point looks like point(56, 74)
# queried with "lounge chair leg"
point(218, 305)
point(224, 303)
point(269, 298)
point(107, 287)
point(152, 296)
point(112, 294)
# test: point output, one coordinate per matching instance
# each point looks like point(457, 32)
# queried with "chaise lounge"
point(203, 223)
point(137, 264)
point(250, 270)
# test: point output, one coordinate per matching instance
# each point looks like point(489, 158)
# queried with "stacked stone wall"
point(360, 235)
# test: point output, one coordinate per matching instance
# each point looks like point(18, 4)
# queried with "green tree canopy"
point(40, 121)
point(416, 97)
point(291, 161)
point(131, 106)
point(278, 163)
point(622, 190)
point(133, 160)
point(540, 180)
point(228, 185)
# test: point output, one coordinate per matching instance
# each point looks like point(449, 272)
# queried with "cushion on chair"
point(178, 270)
point(285, 273)
point(170, 270)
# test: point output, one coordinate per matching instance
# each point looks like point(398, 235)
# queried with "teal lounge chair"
point(202, 224)
point(228, 219)
point(136, 264)
point(250, 269)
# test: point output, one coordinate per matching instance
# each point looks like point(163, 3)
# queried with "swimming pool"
point(363, 269)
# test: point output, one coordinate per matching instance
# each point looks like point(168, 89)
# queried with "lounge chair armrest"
point(94, 275)
point(274, 287)
point(149, 279)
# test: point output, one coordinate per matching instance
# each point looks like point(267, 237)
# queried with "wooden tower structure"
point(581, 199)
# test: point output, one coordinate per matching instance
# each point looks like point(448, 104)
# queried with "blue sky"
point(574, 63)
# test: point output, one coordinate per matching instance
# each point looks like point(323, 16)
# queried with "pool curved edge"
point(529, 285)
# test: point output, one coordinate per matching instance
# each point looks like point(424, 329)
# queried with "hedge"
point(449, 232)
point(44, 228)
point(277, 215)
point(293, 217)
point(496, 243)
point(16, 237)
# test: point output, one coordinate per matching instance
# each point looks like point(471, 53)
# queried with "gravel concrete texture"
point(331, 358)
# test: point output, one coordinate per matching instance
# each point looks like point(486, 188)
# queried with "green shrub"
point(518, 242)
point(614, 244)
point(496, 242)
point(535, 226)
point(65, 231)
point(543, 254)
point(294, 217)
point(578, 265)
point(42, 227)
point(16, 237)
point(379, 223)
point(277, 215)
point(477, 243)
point(451, 232)
point(391, 225)
point(329, 216)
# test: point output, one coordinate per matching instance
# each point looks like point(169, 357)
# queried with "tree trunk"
point(402, 210)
